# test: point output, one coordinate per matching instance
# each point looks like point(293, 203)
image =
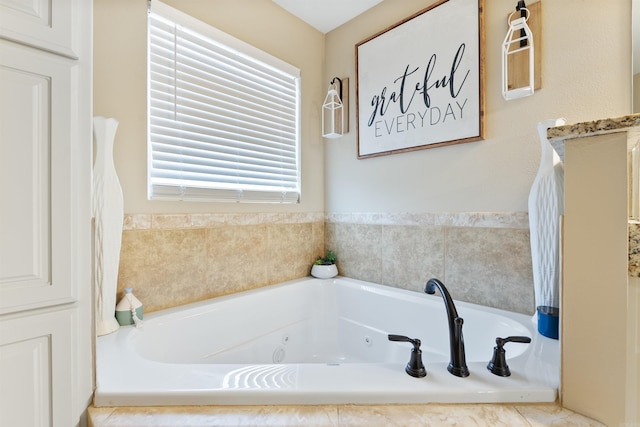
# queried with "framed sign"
point(419, 83)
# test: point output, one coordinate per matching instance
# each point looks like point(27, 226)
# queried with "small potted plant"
point(325, 267)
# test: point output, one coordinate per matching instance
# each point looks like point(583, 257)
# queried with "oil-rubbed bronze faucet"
point(457, 364)
point(498, 364)
point(415, 367)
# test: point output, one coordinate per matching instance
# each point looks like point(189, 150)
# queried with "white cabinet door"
point(45, 24)
point(35, 162)
point(46, 374)
point(35, 370)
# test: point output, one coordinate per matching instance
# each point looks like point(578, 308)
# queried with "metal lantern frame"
point(519, 38)
point(333, 111)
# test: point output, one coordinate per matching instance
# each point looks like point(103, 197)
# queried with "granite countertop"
point(596, 127)
point(634, 248)
point(558, 134)
point(631, 124)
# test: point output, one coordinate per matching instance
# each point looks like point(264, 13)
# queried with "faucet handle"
point(503, 341)
point(402, 338)
point(415, 368)
point(498, 364)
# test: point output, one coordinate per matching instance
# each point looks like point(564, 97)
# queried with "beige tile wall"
point(481, 258)
point(171, 260)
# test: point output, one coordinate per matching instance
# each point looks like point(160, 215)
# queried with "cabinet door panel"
point(35, 370)
point(35, 114)
point(45, 24)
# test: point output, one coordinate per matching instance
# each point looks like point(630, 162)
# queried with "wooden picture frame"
point(439, 48)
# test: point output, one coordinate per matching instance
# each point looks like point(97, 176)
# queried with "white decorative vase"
point(108, 211)
point(324, 271)
point(546, 205)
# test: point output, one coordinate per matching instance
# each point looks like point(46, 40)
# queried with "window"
point(223, 122)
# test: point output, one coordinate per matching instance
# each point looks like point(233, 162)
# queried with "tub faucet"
point(457, 364)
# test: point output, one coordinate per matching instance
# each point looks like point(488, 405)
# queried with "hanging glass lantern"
point(333, 113)
point(518, 82)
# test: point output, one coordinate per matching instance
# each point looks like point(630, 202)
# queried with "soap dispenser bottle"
point(129, 310)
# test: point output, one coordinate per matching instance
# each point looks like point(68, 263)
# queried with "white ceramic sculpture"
point(546, 205)
point(108, 211)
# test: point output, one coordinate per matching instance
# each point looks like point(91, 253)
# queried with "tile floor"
point(434, 415)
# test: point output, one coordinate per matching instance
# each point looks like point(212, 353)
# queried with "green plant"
point(328, 259)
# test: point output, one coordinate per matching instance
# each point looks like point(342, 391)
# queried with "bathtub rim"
point(108, 395)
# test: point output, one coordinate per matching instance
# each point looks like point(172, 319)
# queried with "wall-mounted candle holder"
point(335, 109)
point(521, 52)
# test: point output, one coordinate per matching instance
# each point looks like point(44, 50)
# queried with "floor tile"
point(434, 415)
point(555, 416)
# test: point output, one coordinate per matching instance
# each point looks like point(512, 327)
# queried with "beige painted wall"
point(585, 76)
point(585, 71)
point(120, 88)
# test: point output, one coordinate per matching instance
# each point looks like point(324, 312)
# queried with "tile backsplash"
point(172, 260)
point(483, 258)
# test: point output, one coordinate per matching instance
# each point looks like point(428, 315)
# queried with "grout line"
point(523, 416)
point(444, 251)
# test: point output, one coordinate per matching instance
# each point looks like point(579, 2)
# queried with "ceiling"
point(325, 15)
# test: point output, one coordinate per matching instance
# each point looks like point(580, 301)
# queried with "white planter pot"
point(324, 271)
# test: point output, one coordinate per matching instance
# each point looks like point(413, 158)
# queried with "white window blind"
point(223, 120)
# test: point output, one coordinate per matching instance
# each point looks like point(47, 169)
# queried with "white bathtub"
point(313, 341)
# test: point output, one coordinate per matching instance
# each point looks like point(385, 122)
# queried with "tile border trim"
point(209, 220)
point(436, 219)
point(517, 220)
